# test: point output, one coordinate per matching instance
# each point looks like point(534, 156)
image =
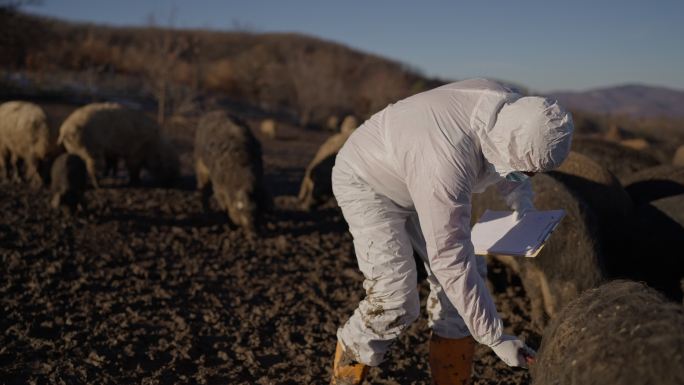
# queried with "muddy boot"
point(451, 360)
point(345, 370)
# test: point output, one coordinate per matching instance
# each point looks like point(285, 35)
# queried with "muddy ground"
point(146, 288)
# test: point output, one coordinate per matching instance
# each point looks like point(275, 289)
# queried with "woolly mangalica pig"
point(316, 186)
point(619, 160)
point(620, 333)
point(655, 183)
point(104, 131)
point(68, 182)
point(655, 246)
point(657, 229)
point(571, 260)
point(596, 185)
point(228, 161)
point(25, 135)
point(604, 195)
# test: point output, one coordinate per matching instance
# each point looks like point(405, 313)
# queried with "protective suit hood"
point(528, 134)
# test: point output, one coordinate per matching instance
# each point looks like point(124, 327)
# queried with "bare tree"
point(380, 85)
point(258, 72)
point(318, 83)
point(165, 49)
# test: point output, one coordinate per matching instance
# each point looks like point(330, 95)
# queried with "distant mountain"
point(631, 100)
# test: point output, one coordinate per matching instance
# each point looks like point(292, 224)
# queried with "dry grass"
point(311, 78)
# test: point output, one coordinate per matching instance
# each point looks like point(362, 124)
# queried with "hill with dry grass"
point(299, 78)
point(305, 77)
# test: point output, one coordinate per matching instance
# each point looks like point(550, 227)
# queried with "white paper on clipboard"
point(498, 233)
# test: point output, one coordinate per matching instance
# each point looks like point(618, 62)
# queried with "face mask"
point(516, 176)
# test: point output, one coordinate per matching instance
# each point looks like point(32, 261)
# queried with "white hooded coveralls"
point(404, 181)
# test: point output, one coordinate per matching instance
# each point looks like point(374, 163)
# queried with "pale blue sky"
point(544, 45)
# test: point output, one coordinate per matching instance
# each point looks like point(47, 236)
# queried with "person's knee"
point(409, 310)
point(387, 314)
point(406, 313)
point(380, 318)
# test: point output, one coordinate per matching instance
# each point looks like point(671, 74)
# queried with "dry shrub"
point(286, 73)
point(21, 38)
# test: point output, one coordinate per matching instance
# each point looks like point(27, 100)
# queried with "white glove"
point(513, 352)
point(519, 213)
point(518, 196)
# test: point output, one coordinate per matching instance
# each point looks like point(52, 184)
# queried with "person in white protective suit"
point(404, 181)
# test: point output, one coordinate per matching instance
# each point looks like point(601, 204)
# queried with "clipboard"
point(499, 233)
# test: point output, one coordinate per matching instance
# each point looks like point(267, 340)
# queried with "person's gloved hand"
point(522, 206)
point(513, 352)
point(520, 212)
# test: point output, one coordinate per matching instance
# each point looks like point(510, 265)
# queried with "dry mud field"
point(145, 288)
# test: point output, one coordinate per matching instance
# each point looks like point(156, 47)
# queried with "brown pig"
point(316, 187)
point(68, 182)
point(101, 132)
point(26, 135)
point(228, 161)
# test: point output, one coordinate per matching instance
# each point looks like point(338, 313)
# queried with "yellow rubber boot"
point(345, 370)
point(451, 360)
